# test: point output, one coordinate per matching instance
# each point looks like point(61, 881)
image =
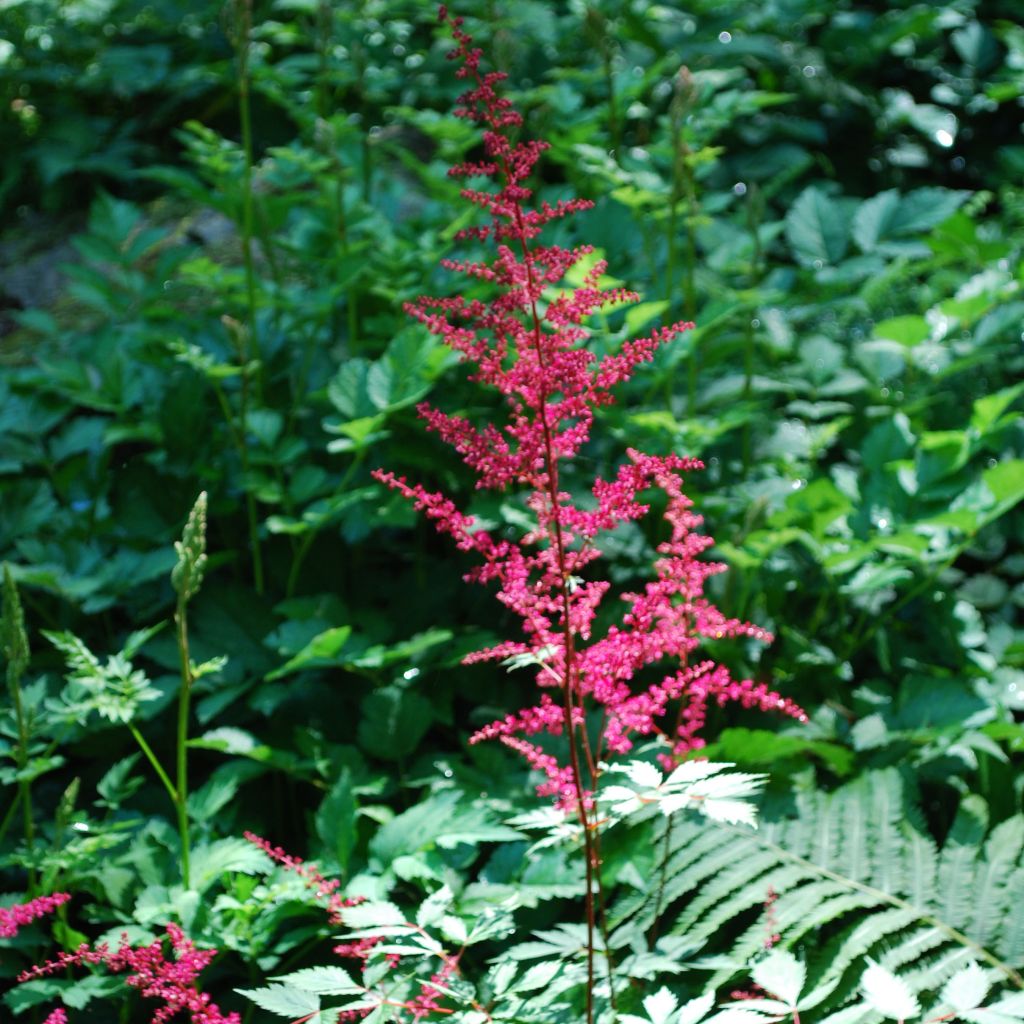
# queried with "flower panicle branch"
point(16, 917)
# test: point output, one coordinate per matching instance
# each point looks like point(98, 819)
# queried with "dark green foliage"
point(831, 191)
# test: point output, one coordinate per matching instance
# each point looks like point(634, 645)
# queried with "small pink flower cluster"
point(172, 981)
point(21, 914)
point(428, 1000)
point(529, 342)
point(322, 887)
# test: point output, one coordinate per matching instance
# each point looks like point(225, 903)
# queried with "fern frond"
point(854, 876)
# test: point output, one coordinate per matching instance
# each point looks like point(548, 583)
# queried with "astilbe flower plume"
point(529, 342)
point(172, 981)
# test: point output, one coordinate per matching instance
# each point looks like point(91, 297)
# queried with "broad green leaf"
point(322, 981)
point(907, 330)
point(889, 216)
point(336, 820)
point(818, 227)
point(321, 652)
point(392, 722)
point(987, 414)
point(283, 1000)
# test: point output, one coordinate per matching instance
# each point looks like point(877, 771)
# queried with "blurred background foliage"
point(212, 214)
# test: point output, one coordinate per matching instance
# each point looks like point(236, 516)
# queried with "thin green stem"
point(12, 809)
point(154, 761)
point(237, 332)
point(244, 27)
point(21, 759)
point(181, 750)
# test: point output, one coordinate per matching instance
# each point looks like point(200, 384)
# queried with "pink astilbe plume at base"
point(529, 342)
point(172, 981)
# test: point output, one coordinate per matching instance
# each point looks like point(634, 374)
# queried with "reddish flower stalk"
point(529, 342)
point(21, 914)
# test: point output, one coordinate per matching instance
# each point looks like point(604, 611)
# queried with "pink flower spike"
point(530, 343)
point(21, 914)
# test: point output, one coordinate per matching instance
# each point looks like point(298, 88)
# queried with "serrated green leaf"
point(283, 1000)
point(322, 981)
point(818, 227)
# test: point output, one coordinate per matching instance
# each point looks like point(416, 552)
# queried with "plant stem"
point(154, 761)
point(244, 27)
point(184, 698)
point(21, 759)
point(237, 332)
point(592, 867)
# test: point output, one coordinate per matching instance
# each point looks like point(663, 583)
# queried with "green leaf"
point(889, 216)
point(348, 390)
point(212, 860)
point(1005, 482)
point(890, 440)
point(321, 652)
point(818, 227)
point(336, 820)
point(907, 330)
point(987, 413)
point(392, 722)
point(322, 981)
point(283, 1000)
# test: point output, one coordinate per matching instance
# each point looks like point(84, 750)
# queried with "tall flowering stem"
point(529, 342)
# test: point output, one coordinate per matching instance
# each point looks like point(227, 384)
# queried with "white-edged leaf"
point(539, 975)
point(283, 1000)
point(967, 989)
point(641, 773)
point(323, 981)
point(690, 772)
point(1009, 1010)
point(739, 1015)
point(732, 812)
point(887, 994)
point(730, 784)
point(781, 974)
point(434, 907)
point(696, 1009)
point(660, 1006)
point(454, 929)
point(372, 914)
point(771, 1007)
point(617, 793)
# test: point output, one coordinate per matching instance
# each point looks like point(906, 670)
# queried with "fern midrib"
point(936, 922)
